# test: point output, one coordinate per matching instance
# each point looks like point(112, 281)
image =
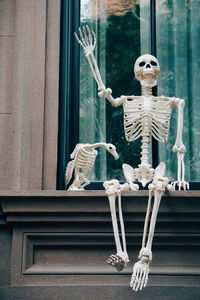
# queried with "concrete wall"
point(29, 66)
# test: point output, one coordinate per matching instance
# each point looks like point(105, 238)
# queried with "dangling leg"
point(84, 181)
point(147, 219)
point(76, 184)
point(80, 181)
point(141, 268)
point(118, 260)
point(125, 254)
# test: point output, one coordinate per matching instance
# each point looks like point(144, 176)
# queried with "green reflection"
point(178, 50)
point(123, 34)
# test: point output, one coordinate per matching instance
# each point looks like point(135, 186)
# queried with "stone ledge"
point(92, 205)
point(90, 193)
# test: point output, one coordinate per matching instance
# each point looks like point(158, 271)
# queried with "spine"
point(145, 143)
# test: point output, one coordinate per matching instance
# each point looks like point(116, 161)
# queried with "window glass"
point(123, 34)
point(178, 51)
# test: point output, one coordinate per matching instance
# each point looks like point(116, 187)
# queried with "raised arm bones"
point(87, 40)
point(113, 191)
point(179, 147)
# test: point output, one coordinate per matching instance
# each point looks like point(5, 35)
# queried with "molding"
point(58, 202)
point(62, 238)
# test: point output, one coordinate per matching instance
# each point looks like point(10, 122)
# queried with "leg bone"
point(122, 228)
point(141, 268)
point(121, 258)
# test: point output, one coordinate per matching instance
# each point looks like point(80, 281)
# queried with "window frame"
point(68, 129)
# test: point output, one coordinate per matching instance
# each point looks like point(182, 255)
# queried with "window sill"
point(19, 205)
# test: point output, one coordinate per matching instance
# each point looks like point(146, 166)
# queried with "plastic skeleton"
point(83, 159)
point(113, 191)
point(144, 116)
point(156, 189)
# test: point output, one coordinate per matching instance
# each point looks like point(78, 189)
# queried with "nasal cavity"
point(148, 66)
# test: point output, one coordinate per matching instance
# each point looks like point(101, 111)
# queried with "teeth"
point(148, 71)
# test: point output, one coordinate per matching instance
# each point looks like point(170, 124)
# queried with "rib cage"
point(81, 165)
point(84, 161)
point(137, 111)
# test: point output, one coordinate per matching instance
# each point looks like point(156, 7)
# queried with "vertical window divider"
point(155, 160)
point(68, 133)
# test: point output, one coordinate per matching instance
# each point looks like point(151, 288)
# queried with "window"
point(121, 37)
point(126, 29)
point(178, 50)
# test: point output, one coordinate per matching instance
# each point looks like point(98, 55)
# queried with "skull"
point(112, 149)
point(147, 70)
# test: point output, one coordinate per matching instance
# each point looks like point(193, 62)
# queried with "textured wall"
point(29, 65)
point(60, 242)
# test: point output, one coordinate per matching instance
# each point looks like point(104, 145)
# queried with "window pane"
point(123, 34)
point(178, 50)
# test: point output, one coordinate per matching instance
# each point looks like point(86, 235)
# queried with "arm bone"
point(87, 40)
point(179, 147)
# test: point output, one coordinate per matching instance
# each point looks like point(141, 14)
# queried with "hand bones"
point(84, 156)
point(87, 40)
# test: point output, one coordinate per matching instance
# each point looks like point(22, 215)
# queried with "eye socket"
point(153, 63)
point(141, 64)
point(110, 147)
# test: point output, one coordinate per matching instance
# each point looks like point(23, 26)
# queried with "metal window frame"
point(68, 132)
point(155, 160)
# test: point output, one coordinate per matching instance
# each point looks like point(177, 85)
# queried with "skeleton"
point(145, 116)
point(83, 159)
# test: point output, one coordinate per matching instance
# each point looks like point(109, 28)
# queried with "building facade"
point(53, 242)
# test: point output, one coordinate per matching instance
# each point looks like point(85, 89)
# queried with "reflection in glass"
point(178, 50)
point(123, 34)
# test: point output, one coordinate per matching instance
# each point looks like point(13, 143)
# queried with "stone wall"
point(54, 246)
point(29, 75)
